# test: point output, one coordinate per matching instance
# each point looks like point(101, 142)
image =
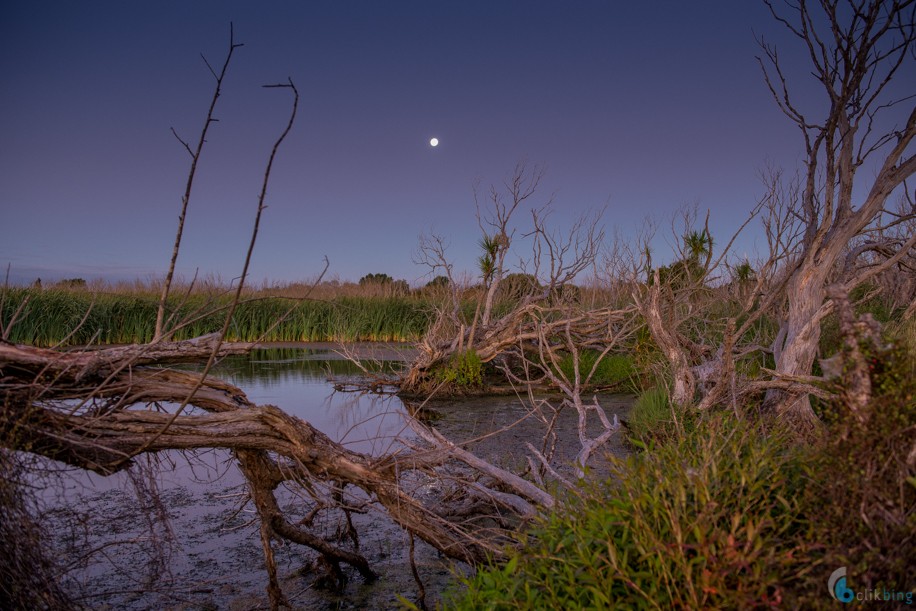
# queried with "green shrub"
point(711, 520)
point(865, 492)
point(877, 305)
point(903, 334)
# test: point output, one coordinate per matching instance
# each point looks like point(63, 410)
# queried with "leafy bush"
point(867, 484)
point(711, 520)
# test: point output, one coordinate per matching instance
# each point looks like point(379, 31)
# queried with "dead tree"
point(567, 340)
point(556, 260)
point(674, 300)
point(858, 154)
point(541, 322)
point(81, 408)
point(498, 233)
point(703, 312)
point(160, 332)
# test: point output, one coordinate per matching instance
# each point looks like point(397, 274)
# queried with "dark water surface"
point(185, 538)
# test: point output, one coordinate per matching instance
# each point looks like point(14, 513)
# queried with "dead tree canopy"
point(858, 153)
point(536, 291)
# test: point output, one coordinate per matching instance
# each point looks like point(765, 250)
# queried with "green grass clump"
point(651, 416)
point(707, 521)
point(464, 371)
point(612, 370)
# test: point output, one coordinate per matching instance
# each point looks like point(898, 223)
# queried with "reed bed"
point(57, 316)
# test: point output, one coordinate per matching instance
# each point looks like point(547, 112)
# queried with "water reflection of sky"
point(298, 382)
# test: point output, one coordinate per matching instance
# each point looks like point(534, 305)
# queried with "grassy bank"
point(722, 512)
point(47, 317)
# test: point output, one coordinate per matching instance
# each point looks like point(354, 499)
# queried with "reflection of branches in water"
point(371, 418)
point(206, 466)
point(142, 476)
point(96, 529)
point(135, 526)
point(460, 504)
point(28, 573)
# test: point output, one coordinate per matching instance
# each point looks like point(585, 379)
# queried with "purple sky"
point(643, 106)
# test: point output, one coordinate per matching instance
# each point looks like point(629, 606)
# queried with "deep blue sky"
point(643, 106)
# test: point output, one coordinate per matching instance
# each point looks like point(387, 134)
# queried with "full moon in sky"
point(434, 142)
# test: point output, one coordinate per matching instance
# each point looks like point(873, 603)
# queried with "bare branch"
point(160, 333)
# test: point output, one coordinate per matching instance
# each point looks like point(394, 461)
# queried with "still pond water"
point(204, 552)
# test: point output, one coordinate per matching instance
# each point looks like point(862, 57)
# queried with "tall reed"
point(80, 317)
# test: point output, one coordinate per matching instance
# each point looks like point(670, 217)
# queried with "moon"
point(434, 142)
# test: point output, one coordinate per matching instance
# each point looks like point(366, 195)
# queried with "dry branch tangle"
point(102, 434)
point(529, 322)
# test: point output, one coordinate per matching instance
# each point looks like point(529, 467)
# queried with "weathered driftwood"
point(80, 408)
point(529, 323)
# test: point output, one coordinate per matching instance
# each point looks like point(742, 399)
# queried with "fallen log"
point(99, 409)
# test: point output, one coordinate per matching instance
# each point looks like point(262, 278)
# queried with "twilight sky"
point(640, 106)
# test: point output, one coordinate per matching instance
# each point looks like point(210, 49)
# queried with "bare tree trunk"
point(663, 332)
point(855, 55)
point(799, 343)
